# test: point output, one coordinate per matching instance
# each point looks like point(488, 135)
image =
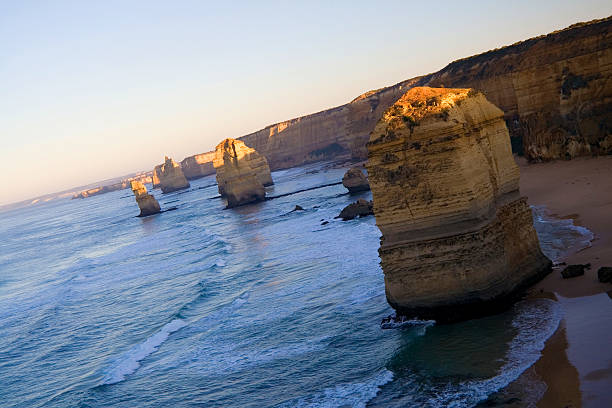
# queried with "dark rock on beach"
point(604, 274)
point(573, 271)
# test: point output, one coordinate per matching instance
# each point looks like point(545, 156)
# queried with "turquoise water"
point(250, 307)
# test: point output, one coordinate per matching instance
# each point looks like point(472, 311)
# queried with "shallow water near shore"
point(254, 306)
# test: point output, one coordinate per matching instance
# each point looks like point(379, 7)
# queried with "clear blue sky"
point(98, 89)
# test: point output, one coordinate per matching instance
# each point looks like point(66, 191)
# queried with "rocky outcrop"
point(572, 271)
point(456, 234)
point(156, 175)
point(146, 202)
point(604, 274)
point(198, 166)
point(360, 208)
point(355, 181)
point(239, 173)
point(171, 177)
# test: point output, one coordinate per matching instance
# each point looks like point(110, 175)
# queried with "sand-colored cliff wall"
point(197, 166)
point(455, 231)
point(555, 91)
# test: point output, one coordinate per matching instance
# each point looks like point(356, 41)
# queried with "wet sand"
point(576, 363)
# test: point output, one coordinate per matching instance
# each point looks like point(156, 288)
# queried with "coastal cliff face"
point(171, 177)
point(146, 202)
point(555, 90)
point(240, 173)
point(455, 231)
point(197, 166)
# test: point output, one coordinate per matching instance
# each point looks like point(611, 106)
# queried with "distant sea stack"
point(457, 238)
point(241, 173)
point(355, 181)
point(156, 175)
point(171, 177)
point(146, 202)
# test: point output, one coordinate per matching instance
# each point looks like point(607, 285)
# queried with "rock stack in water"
point(457, 238)
point(171, 177)
point(355, 181)
point(146, 202)
point(242, 173)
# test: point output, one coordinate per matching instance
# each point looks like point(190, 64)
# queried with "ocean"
point(256, 306)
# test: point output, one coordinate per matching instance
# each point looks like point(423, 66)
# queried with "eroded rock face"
point(146, 202)
point(198, 166)
point(241, 173)
point(156, 175)
point(456, 234)
point(171, 177)
point(355, 181)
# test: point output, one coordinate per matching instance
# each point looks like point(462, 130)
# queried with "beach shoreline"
point(580, 190)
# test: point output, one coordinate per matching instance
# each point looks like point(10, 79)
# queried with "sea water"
point(250, 307)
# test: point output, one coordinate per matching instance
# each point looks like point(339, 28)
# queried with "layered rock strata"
point(457, 237)
point(198, 166)
point(240, 173)
point(355, 181)
point(146, 202)
point(171, 177)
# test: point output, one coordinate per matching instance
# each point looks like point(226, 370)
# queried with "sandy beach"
point(576, 364)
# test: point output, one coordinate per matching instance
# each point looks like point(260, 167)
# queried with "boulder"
point(457, 237)
point(571, 271)
point(239, 173)
point(360, 208)
point(355, 181)
point(146, 202)
point(171, 177)
point(604, 274)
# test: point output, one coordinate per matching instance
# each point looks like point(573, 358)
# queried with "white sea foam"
point(535, 321)
point(354, 395)
point(129, 362)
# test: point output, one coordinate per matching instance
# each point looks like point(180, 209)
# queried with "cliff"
point(171, 177)
point(456, 234)
point(198, 166)
point(555, 90)
point(120, 185)
point(146, 202)
point(240, 172)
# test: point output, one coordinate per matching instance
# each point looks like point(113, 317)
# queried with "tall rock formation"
point(456, 234)
point(241, 173)
point(156, 175)
point(146, 202)
point(171, 177)
point(198, 166)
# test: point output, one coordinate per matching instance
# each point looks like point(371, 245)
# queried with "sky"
point(97, 89)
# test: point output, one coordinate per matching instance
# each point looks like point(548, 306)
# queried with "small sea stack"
point(355, 181)
point(146, 202)
point(241, 173)
point(156, 175)
point(171, 177)
point(457, 237)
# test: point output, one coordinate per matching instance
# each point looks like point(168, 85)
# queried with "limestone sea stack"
point(457, 238)
point(146, 202)
point(241, 173)
point(171, 177)
point(355, 181)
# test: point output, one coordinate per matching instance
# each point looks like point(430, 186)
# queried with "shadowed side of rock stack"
point(171, 177)
point(146, 202)
point(457, 238)
point(241, 173)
